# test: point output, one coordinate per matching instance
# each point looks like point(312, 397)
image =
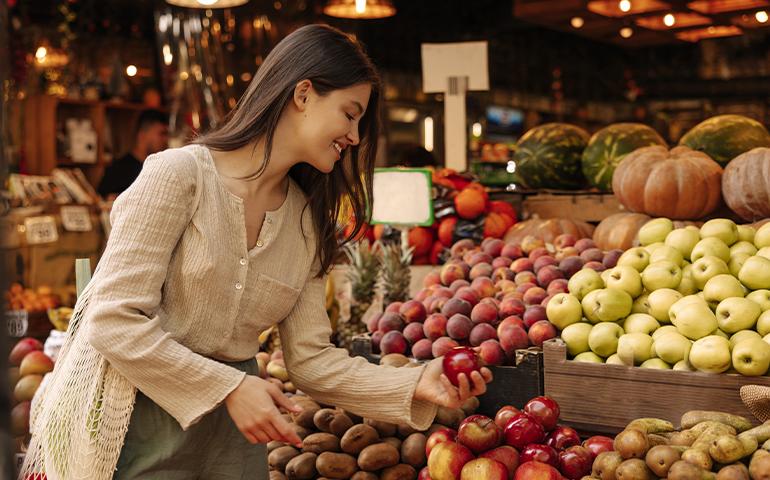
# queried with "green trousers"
point(156, 447)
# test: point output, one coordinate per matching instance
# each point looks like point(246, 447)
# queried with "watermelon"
point(549, 156)
point(610, 145)
point(724, 137)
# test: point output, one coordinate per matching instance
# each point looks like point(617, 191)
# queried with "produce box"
point(585, 206)
point(604, 398)
point(513, 385)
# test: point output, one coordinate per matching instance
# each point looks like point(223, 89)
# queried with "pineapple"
point(363, 273)
point(396, 259)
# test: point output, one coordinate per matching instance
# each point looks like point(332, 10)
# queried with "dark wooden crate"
point(604, 398)
point(512, 385)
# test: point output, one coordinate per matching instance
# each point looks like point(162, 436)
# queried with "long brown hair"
point(331, 60)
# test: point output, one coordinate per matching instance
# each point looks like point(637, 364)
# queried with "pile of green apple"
point(688, 298)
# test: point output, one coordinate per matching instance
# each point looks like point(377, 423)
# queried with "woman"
point(212, 244)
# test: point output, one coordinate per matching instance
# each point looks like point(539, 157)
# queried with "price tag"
point(18, 322)
point(402, 196)
point(41, 230)
point(76, 219)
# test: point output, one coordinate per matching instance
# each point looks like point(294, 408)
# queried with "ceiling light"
point(577, 22)
point(131, 70)
point(359, 9)
point(669, 20)
point(40, 53)
point(207, 3)
point(761, 16)
point(624, 5)
point(626, 32)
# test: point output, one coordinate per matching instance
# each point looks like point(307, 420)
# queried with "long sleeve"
point(330, 375)
point(125, 325)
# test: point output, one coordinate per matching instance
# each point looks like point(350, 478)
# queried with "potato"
point(280, 457)
point(356, 419)
point(413, 450)
point(395, 441)
point(340, 424)
point(385, 429)
point(361, 475)
point(323, 418)
point(305, 417)
point(358, 437)
point(336, 465)
point(302, 432)
point(276, 475)
point(378, 456)
point(274, 444)
point(321, 442)
point(399, 472)
point(302, 467)
point(450, 417)
point(405, 430)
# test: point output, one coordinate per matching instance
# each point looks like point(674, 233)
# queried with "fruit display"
point(548, 229)
point(31, 300)
point(549, 156)
point(621, 230)
point(724, 137)
point(273, 369)
point(28, 365)
point(687, 299)
point(745, 184)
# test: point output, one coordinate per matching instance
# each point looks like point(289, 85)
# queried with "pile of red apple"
point(517, 444)
point(491, 296)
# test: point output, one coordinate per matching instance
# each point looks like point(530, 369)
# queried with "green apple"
point(667, 253)
point(755, 273)
point(640, 323)
point(635, 347)
point(742, 336)
point(625, 278)
point(695, 320)
point(603, 339)
point(683, 302)
point(743, 247)
point(762, 237)
point(711, 354)
point(736, 263)
point(684, 366)
point(660, 302)
point(614, 359)
point(636, 257)
point(641, 304)
point(664, 330)
point(706, 267)
point(761, 298)
point(721, 287)
point(721, 228)
point(588, 357)
point(583, 282)
point(563, 310)
point(662, 274)
point(576, 337)
point(766, 339)
point(737, 313)
point(721, 333)
point(687, 285)
point(746, 233)
point(606, 305)
point(651, 248)
point(672, 347)
point(710, 246)
point(657, 363)
point(605, 275)
point(684, 240)
point(764, 252)
point(655, 231)
point(751, 357)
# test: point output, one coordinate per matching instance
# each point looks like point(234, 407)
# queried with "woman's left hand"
point(435, 387)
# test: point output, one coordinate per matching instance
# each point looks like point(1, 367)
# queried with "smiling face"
point(329, 124)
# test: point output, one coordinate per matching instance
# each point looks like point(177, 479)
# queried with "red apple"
point(539, 453)
point(479, 433)
point(424, 474)
point(506, 455)
point(540, 332)
point(505, 413)
point(460, 360)
point(545, 410)
point(536, 471)
point(443, 434)
point(563, 437)
point(22, 348)
point(447, 460)
point(598, 444)
point(575, 462)
point(523, 429)
point(484, 469)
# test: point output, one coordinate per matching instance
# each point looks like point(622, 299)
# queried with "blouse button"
point(259, 243)
point(238, 286)
point(243, 261)
point(269, 220)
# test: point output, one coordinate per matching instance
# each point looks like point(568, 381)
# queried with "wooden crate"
point(605, 398)
point(585, 206)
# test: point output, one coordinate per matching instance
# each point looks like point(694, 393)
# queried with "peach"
point(511, 306)
point(451, 272)
point(35, 362)
point(447, 460)
point(423, 294)
point(444, 292)
point(456, 305)
point(557, 286)
point(584, 244)
point(525, 277)
point(544, 261)
point(393, 307)
point(376, 339)
point(534, 296)
point(390, 321)
point(443, 345)
point(469, 294)
point(548, 274)
point(458, 284)
point(547, 299)
point(503, 273)
point(537, 253)
point(433, 278)
point(566, 253)
point(592, 255)
point(490, 301)
point(480, 257)
point(480, 270)
point(564, 240)
point(491, 352)
point(484, 313)
point(501, 262)
point(505, 286)
point(522, 265)
point(466, 258)
point(493, 247)
point(435, 326)
point(534, 314)
point(412, 311)
point(530, 242)
point(571, 265)
point(540, 332)
point(511, 250)
point(481, 333)
point(26, 387)
point(459, 326)
point(512, 339)
point(414, 332)
point(484, 287)
point(525, 287)
point(423, 349)
point(20, 419)
point(508, 322)
point(437, 305)
point(598, 266)
point(22, 348)
point(461, 246)
point(14, 376)
point(393, 342)
point(610, 259)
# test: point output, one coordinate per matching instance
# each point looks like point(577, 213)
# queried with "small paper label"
point(76, 219)
point(41, 230)
point(18, 322)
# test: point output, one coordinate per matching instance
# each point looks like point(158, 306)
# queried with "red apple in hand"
point(539, 453)
point(575, 462)
point(563, 437)
point(447, 460)
point(537, 471)
point(522, 430)
point(479, 433)
point(484, 469)
point(460, 360)
point(506, 455)
point(545, 410)
point(504, 414)
point(439, 436)
point(598, 444)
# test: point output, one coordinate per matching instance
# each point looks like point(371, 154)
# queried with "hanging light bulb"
point(359, 9)
point(207, 3)
point(360, 6)
point(624, 5)
point(577, 22)
point(761, 16)
point(669, 20)
point(626, 32)
point(131, 70)
point(40, 53)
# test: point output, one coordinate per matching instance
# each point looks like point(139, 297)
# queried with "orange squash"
point(619, 230)
point(495, 225)
point(548, 229)
point(470, 203)
point(746, 184)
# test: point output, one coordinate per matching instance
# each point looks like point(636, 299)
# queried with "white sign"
point(18, 322)
point(41, 230)
point(402, 197)
point(76, 219)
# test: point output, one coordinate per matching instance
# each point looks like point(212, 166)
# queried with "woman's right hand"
point(253, 406)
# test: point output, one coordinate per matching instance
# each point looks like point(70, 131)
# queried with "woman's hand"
point(435, 387)
point(253, 406)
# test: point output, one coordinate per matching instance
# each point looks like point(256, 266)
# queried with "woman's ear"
point(302, 93)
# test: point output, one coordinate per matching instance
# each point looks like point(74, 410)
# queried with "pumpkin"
point(446, 231)
point(609, 146)
point(470, 203)
point(746, 184)
point(549, 156)
point(548, 229)
point(679, 184)
point(724, 137)
point(421, 239)
point(619, 230)
point(495, 225)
